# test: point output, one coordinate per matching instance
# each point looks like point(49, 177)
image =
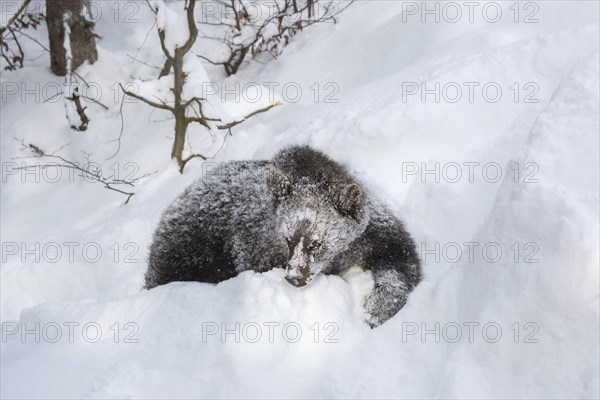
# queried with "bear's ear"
point(279, 184)
point(347, 199)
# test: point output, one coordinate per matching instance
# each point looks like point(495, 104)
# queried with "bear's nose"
point(295, 281)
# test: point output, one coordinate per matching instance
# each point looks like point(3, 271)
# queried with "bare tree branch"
point(118, 140)
point(15, 16)
point(162, 106)
point(76, 98)
point(262, 110)
point(108, 182)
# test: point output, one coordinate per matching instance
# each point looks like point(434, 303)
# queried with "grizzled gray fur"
point(302, 212)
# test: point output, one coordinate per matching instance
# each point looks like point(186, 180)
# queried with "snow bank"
point(524, 325)
point(181, 341)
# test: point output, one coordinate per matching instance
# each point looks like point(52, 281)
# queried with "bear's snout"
point(298, 265)
point(295, 281)
point(298, 273)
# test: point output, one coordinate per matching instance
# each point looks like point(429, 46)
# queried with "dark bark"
point(83, 45)
point(179, 107)
point(76, 98)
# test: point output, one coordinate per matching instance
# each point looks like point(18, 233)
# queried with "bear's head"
point(316, 222)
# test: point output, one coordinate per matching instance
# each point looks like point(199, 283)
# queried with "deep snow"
point(381, 131)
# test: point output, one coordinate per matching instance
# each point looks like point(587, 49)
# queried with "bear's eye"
point(314, 245)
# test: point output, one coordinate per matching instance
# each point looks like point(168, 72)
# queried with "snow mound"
point(183, 339)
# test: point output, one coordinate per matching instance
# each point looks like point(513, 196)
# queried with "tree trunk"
point(181, 123)
point(83, 46)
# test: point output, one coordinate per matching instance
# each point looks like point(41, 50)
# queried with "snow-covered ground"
point(510, 304)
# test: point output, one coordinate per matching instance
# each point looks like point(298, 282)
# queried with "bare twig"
point(107, 182)
point(133, 59)
point(162, 106)
point(10, 46)
point(150, 7)
point(76, 98)
point(118, 140)
point(35, 41)
point(146, 37)
point(230, 125)
point(15, 16)
point(95, 101)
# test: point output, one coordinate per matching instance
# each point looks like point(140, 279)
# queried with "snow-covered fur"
point(301, 211)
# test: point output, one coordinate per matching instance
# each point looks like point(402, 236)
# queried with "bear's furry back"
point(203, 235)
